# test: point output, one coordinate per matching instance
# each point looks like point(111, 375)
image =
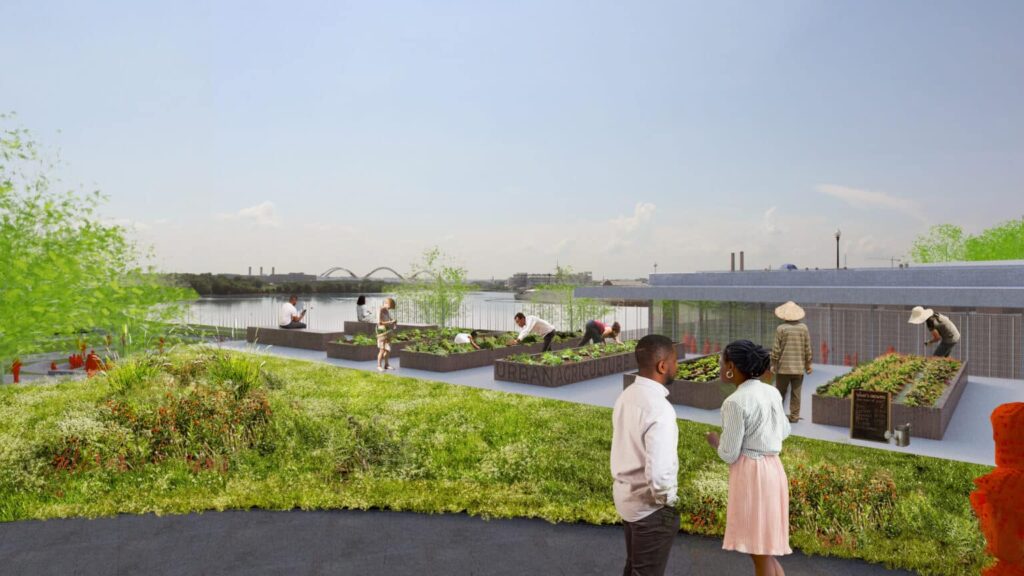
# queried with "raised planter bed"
point(361, 353)
point(370, 328)
point(925, 421)
point(368, 352)
point(703, 395)
point(475, 359)
point(567, 373)
point(306, 339)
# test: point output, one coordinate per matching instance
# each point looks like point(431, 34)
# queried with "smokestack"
point(261, 271)
point(272, 270)
point(741, 260)
point(250, 270)
point(732, 261)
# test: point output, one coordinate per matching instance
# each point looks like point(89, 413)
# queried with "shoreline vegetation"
point(228, 285)
point(201, 429)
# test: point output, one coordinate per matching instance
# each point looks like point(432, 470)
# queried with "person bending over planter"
point(941, 328)
point(290, 317)
point(463, 338)
point(791, 355)
point(754, 425)
point(597, 332)
point(385, 328)
point(533, 325)
point(362, 314)
point(644, 459)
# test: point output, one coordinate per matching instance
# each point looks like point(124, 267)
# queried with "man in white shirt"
point(644, 460)
point(534, 325)
point(290, 316)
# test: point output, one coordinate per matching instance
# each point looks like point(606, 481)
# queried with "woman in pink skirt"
point(754, 425)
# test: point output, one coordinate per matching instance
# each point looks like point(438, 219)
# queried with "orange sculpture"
point(999, 499)
point(16, 370)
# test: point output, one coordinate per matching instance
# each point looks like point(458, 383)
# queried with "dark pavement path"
point(355, 542)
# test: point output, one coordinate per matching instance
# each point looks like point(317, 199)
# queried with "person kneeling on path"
point(597, 332)
point(290, 317)
point(463, 338)
point(534, 325)
point(644, 459)
point(941, 327)
point(791, 355)
point(754, 425)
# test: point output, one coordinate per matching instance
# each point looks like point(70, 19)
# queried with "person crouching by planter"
point(754, 424)
point(644, 459)
point(941, 328)
point(290, 318)
point(385, 328)
point(463, 338)
point(791, 355)
point(597, 332)
point(534, 325)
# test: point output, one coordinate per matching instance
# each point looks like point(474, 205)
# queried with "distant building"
point(853, 315)
point(523, 280)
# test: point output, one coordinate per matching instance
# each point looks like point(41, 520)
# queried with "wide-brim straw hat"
point(790, 312)
point(919, 314)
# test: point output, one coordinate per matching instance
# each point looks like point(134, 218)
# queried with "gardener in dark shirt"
point(940, 327)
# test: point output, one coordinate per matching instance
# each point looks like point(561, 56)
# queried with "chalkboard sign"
point(870, 415)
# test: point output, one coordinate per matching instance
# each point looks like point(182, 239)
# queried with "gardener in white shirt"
point(290, 317)
point(463, 338)
point(644, 460)
point(533, 325)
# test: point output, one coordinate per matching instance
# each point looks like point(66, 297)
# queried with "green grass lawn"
point(204, 430)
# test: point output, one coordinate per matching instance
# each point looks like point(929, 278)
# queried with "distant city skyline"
point(602, 135)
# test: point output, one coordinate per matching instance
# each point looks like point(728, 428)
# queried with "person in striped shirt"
point(791, 355)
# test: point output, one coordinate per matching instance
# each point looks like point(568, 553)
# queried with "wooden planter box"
point(368, 352)
point(703, 395)
point(370, 328)
point(570, 373)
point(475, 359)
point(925, 422)
point(305, 338)
point(561, 375)
point(362, 352)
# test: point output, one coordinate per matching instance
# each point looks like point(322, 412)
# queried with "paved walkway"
point(968, 438)
point(356, 542)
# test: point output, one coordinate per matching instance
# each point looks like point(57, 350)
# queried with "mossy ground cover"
point(209, 430)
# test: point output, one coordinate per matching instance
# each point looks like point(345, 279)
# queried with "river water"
point(483, 310)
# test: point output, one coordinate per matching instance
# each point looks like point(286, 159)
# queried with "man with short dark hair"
point(290, 318)
point(534, 325)
point(644, 460)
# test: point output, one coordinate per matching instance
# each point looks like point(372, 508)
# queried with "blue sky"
point(606, 135)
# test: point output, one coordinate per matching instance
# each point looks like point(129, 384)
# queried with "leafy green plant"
point(927, 378)
point(704, 369)
point(437, 294)
point(66, 272)
point(571, 355)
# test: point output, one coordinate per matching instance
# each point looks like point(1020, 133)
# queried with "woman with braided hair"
point(754, 424)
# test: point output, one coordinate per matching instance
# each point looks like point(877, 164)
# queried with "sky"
point(520, 135)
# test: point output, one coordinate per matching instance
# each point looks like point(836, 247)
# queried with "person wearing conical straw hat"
point(941, 328)
point(791, 355)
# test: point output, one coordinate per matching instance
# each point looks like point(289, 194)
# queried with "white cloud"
point(264, 215)
point(642, 214)
point(859, 198)
point(770, 222)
